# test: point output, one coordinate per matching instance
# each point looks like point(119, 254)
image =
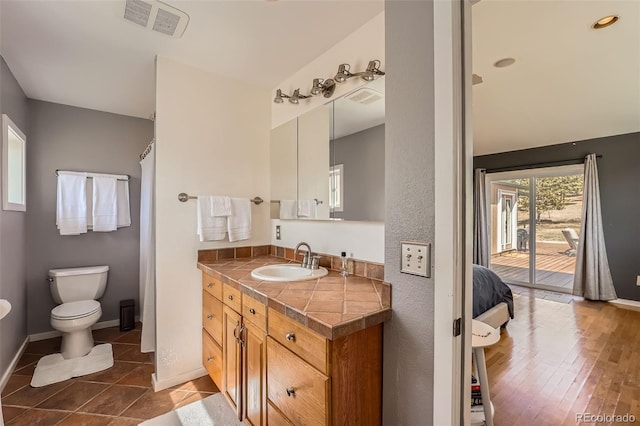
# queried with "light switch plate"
point(415, 258)
point(638, 280)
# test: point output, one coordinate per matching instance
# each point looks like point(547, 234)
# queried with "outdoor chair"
point(573, 239)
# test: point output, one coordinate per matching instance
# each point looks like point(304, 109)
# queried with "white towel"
point(288, 209)
point(307, 208)
point(124, 211)
point(105, 204)
point(71, 208)
point(210, 228)
point(220, 205)
point(239, 223)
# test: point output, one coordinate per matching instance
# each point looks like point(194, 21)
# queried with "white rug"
point(211, 411)
point(54, 368)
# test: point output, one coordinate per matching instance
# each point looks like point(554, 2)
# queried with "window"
point(14, 147)
point(336, 188)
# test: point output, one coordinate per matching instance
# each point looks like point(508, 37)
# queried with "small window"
point(336, 188)
point(14, 149)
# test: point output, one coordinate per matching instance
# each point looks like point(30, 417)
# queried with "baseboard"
point(626, 304)
point(55, 333)
point(14, 363)
point(176, 380)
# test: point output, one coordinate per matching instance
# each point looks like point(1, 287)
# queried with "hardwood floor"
point(558, 359)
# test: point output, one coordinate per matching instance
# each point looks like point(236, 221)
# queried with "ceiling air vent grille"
point(157, 16)
point(365, 96)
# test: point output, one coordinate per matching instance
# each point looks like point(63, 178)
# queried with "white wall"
point(212, 138)
point(357, 49)
point(362, 240)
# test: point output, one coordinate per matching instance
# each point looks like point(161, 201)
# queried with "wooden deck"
point(554, 266)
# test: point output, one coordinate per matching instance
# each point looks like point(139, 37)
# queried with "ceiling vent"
point(365, 96)
point(156, 16)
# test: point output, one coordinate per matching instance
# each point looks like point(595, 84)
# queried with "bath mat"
point(211, 411)
point(54, 368)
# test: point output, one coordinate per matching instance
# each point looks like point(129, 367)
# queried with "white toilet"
point(77, 290)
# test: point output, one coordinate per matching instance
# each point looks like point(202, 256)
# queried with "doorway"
point(535, 220)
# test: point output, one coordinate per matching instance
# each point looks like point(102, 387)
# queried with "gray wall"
point(362, 154)
point(69, 138)
point(410, 214)
point(619, 173)
point(13, 328)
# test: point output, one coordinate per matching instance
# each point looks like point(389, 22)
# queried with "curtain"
point(481, 251)
point(592, 278)
point(147, 253)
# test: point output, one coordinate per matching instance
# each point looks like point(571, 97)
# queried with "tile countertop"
point(333, 306)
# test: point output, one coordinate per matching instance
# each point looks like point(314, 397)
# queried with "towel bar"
point(91, 177)
point(184, 197)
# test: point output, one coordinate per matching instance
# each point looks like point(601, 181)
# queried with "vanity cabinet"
point(274, 370)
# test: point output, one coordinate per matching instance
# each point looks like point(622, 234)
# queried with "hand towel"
point(239, 223)
point(307, 208)
point(288, 209)
point(210, 228)
point(124, 210)
point(220, 206)
point(105, 204)
point(71, 207)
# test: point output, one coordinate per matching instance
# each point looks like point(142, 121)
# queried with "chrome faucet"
point(310, 260)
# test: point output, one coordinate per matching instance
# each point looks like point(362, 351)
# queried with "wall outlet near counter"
point(277, 232)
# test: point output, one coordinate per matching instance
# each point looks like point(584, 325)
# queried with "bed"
point(492, 298)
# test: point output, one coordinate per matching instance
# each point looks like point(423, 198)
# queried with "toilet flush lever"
point(50, 279)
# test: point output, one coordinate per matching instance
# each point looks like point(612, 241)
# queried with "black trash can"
point(127, 314)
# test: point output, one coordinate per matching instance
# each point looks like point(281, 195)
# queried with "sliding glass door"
point(535, 222)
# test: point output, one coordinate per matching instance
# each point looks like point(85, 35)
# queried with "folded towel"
point(220, 205)
point(124, 211)
point(209, 228)
point(307, 208)
point(288, 209)
point(105, 204)
point(239, 223)
point(71, 207)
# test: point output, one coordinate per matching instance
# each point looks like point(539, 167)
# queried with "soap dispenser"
point(344, 264)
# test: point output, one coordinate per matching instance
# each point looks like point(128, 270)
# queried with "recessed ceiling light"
point(505, 62)
point(605, 22)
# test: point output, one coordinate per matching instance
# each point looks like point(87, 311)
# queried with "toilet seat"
point(75, 310)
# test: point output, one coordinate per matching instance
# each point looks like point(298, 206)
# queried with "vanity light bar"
point(327, 87)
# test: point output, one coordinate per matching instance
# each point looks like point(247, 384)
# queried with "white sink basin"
point(5, 307)
point(287, 272)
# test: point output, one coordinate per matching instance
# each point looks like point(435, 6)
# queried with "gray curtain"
point(593, 278)
point(481, 253)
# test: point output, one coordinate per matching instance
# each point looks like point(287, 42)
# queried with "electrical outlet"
point(277, 232)
point(415, 258)
point(638, 280)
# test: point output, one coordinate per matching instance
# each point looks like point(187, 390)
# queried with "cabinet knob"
point(252, 311)
point(209, 359)
point(230, 297)
point(291, 336)
point(210, 316)
point(291, 391)
point(210, 285)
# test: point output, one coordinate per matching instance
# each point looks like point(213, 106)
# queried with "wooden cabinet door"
point(232, 359)
point(255, 375)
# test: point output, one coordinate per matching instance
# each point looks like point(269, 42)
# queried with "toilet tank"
point(75, 284)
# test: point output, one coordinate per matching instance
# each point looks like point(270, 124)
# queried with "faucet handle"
point(315, 262)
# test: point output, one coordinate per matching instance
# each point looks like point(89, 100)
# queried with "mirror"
point(14, 146)
point(329, 162)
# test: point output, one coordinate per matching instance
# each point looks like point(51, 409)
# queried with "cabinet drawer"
point(254, 311)
point(212, 285)
point(275, 418)
point(232, 297)
point(298, 390)
point(212, 358)
point(306, 343)
point(212, 316)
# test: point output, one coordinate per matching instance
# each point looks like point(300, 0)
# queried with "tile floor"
point(121, 395)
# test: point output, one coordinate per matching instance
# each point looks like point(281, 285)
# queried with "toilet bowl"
point(74, 320)
point(76, 289)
